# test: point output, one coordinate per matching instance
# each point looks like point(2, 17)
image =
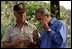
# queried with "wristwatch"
point(49, 30)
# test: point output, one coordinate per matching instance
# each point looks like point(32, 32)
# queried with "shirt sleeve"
point(6, 36)
point(34, 27)
point(60, 35)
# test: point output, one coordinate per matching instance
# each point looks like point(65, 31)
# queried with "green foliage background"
point(8, 18)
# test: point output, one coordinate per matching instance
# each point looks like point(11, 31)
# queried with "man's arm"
point(11, 44)
point(35, 38)
point(59, 36)
point(7, 45)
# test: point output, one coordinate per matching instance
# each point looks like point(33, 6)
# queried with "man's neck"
point(20, 24)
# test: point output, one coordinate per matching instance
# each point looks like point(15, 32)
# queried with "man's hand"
point(21, 43)
point(45, 25)
point(25, 43)
point(16, 42)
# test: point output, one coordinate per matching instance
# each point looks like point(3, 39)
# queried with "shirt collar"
point(26, 23)
point(53, 20)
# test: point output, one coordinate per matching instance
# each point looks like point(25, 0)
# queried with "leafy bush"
point(8, 18)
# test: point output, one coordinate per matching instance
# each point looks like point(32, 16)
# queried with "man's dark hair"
point(42, 11)
point(19, 7)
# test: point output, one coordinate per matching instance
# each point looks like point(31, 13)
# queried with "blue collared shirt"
point(57, 38)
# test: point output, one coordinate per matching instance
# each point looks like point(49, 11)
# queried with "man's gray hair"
point(43, 11)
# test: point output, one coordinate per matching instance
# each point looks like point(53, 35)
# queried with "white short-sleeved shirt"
point(14, 32)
